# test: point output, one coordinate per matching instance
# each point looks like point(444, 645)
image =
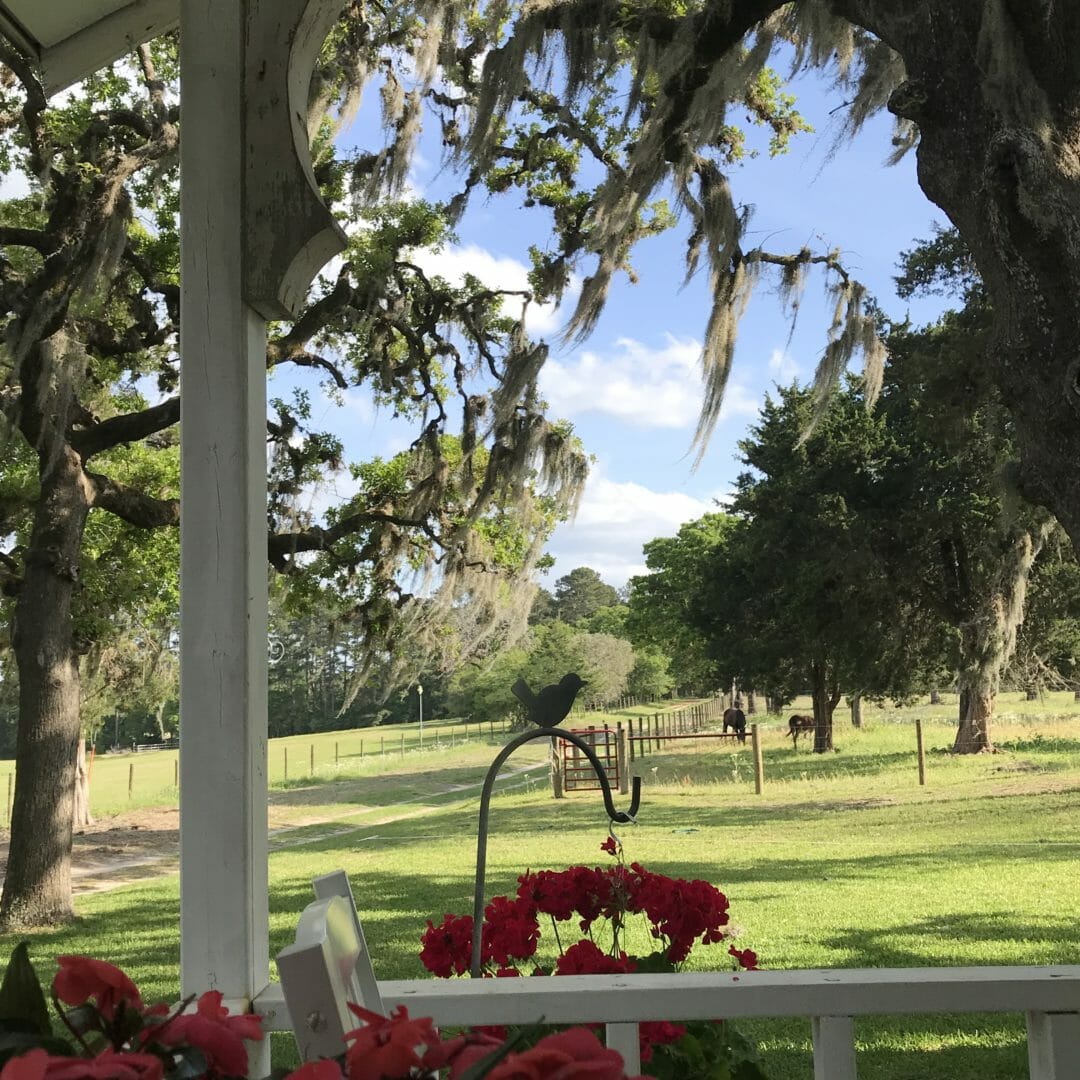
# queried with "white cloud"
point(647, 387)
point(615, 521)
point(782, 366)
point(495, 271)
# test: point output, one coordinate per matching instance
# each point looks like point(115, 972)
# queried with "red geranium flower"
point(393, 1046)
point(317, 1070)
point(81, 978)
point(586, 958)
point(747, 958)
point(568, 1055)
point(108, 1065)
point(610, 846)
point(447, 948)
point(219, 1035)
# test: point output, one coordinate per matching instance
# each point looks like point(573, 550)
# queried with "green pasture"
point(844, 861)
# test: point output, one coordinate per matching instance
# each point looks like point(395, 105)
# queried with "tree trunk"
point(37, 886)
point(856, 710)
point(825, 699)
point(973, 734)
point(993, 90)
point(987, 642)
point(935, 697)
point(1031, 694)
point(159, 719)
point(751, 702)
point(81, 812)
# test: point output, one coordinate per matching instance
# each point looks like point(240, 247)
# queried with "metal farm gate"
point(578, 773)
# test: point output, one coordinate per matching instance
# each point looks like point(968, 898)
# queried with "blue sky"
point(633, 389)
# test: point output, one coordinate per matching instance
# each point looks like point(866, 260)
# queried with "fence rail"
point(1049, 996)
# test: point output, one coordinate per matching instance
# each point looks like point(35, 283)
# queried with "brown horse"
point(797, 725)
point(735, 718)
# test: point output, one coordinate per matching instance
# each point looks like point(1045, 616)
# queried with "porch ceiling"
point(72, 38)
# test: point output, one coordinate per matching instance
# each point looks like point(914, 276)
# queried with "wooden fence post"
point(622, 759)
point(131, 779)
point(403, 744)
point(361, 749)
point(311, 760)
point(336, 757)
point(759, 765)
point(555, 761)
point(921, 750)
point(176, 773)
point(285, 749)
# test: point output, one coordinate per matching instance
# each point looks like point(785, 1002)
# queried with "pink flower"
point(81, 978)
point(217, 1034)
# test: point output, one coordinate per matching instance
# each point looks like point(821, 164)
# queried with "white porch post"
point(223, 823)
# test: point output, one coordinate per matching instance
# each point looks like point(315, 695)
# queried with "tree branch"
point(127, 428)
point(282, 545)
point(33, 238)
point(133, 506)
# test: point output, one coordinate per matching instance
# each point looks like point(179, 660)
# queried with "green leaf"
point(655, 963)
point(21, 996)
point(15, 1043)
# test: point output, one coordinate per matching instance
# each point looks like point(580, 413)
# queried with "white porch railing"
point(327, 958)
point(1050, 996)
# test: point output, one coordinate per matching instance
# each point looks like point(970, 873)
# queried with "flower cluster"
point(115, 1036)
point(600, 902)
point(677, 913)
point(398, 1048)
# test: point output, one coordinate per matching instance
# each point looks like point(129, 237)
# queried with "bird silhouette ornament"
point(550, 706)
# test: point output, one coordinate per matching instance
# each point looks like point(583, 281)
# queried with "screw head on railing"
point(315, 1021)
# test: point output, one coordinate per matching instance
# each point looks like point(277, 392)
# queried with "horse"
point(735, 718)
point(797, 725)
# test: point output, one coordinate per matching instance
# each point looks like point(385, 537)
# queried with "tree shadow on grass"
point(924, 1047)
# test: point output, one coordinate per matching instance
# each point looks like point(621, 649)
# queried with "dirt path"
point(144, 844)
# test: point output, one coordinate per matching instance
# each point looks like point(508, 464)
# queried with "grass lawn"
point(844, 861)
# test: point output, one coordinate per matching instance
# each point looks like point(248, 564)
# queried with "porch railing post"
point(834, 1047)
point(1053, 1045)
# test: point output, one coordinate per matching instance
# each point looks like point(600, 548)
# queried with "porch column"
point(223, 822)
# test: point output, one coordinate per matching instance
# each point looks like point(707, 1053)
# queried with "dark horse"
point(797, 725)
point(735, 719)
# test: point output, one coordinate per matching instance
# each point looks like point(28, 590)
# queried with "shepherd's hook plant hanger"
point(620, 817)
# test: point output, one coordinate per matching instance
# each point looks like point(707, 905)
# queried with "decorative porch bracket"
point(289, 234)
